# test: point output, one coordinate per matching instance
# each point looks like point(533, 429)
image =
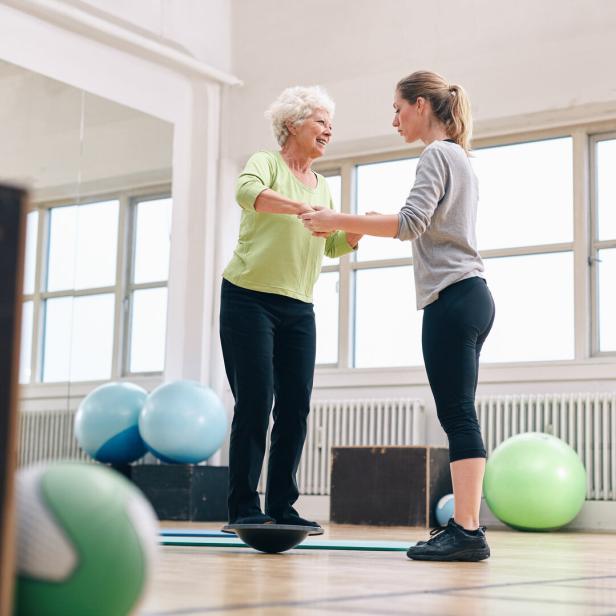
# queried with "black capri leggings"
point(455, 327)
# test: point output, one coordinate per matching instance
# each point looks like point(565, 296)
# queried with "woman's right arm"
point(325, 220)
point(254, 192)
point(271, 202)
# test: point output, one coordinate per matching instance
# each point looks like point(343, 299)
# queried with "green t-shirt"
point(275, 253)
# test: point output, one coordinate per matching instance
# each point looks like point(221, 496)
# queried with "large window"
point(531, 192)
point(95, 289)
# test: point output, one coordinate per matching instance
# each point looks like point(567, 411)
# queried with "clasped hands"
point(318, 220)
point(322, 221)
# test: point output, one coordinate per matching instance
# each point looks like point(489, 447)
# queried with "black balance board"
point(272, 538)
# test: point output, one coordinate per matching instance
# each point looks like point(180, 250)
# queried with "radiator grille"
point(586, 421)
point(48, 435)
point(352, 422)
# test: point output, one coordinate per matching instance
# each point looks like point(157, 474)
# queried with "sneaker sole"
point(470, 556)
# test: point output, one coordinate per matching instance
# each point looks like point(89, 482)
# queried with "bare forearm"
point(271, 202)
point(380, 225)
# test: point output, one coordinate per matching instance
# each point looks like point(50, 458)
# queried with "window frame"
point(122, 288)
point(595, 244)
point(129, 287)
point(586, 359)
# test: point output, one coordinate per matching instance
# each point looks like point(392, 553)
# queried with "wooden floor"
point(550, 573)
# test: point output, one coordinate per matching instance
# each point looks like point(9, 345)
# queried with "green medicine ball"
point(534, 481)
point(86, 542)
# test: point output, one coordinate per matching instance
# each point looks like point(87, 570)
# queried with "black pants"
point(455, 327)
point(269, 349)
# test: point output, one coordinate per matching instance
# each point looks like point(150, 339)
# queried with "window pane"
point(30, 256)
point(606, 189)
point(148, 330)
point(326, 312)
point(525, 194)
point(387, 323)
point(25, 356)
point(78, 341)
point(82, 246)
point(534, 308)
point(607, 300)
point(152, 240)
point(335, 187)
point(383, 188)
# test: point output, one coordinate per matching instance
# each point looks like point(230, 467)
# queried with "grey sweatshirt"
point(440, 216)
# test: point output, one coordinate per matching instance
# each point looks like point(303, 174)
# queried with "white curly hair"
point(294, 105)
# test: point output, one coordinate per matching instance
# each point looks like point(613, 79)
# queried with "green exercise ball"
point(534, 481)
point(86, 542)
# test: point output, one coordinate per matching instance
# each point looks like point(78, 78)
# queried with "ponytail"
point(459, 123)
point(450, 103)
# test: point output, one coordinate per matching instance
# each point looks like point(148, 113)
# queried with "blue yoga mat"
point(185, 532)
point(224, 540)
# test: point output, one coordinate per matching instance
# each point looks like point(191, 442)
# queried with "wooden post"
point(12, 240)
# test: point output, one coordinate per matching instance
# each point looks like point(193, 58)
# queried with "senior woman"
point(267, 324)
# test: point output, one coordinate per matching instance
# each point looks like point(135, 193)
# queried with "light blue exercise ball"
point(444, 509)
point(106, 423)
point(183, 422)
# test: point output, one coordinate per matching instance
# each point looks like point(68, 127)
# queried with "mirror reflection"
point(98, 231)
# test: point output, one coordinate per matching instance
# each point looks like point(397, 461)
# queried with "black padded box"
point(184, 491)
point(388, 485)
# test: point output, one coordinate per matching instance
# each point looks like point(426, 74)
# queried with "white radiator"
point(48, 435)
point(586, 421)
point(352, 422)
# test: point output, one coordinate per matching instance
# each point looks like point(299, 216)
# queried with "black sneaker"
point(257, 518)
point(295, 520)
point(452, 543)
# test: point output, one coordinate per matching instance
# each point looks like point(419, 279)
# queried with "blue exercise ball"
point(183, 422)
point(106, 423)
point(444, 509)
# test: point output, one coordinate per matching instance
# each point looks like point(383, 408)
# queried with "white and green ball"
point(86, 541)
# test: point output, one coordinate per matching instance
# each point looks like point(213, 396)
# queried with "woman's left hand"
point(353, 239)
point(321, 220)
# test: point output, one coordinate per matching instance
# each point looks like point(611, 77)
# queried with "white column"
point(191, 274)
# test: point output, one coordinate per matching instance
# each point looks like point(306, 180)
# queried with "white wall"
point(200, 27)
point(526, 65)
point(514, 58)
point(43, 145)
